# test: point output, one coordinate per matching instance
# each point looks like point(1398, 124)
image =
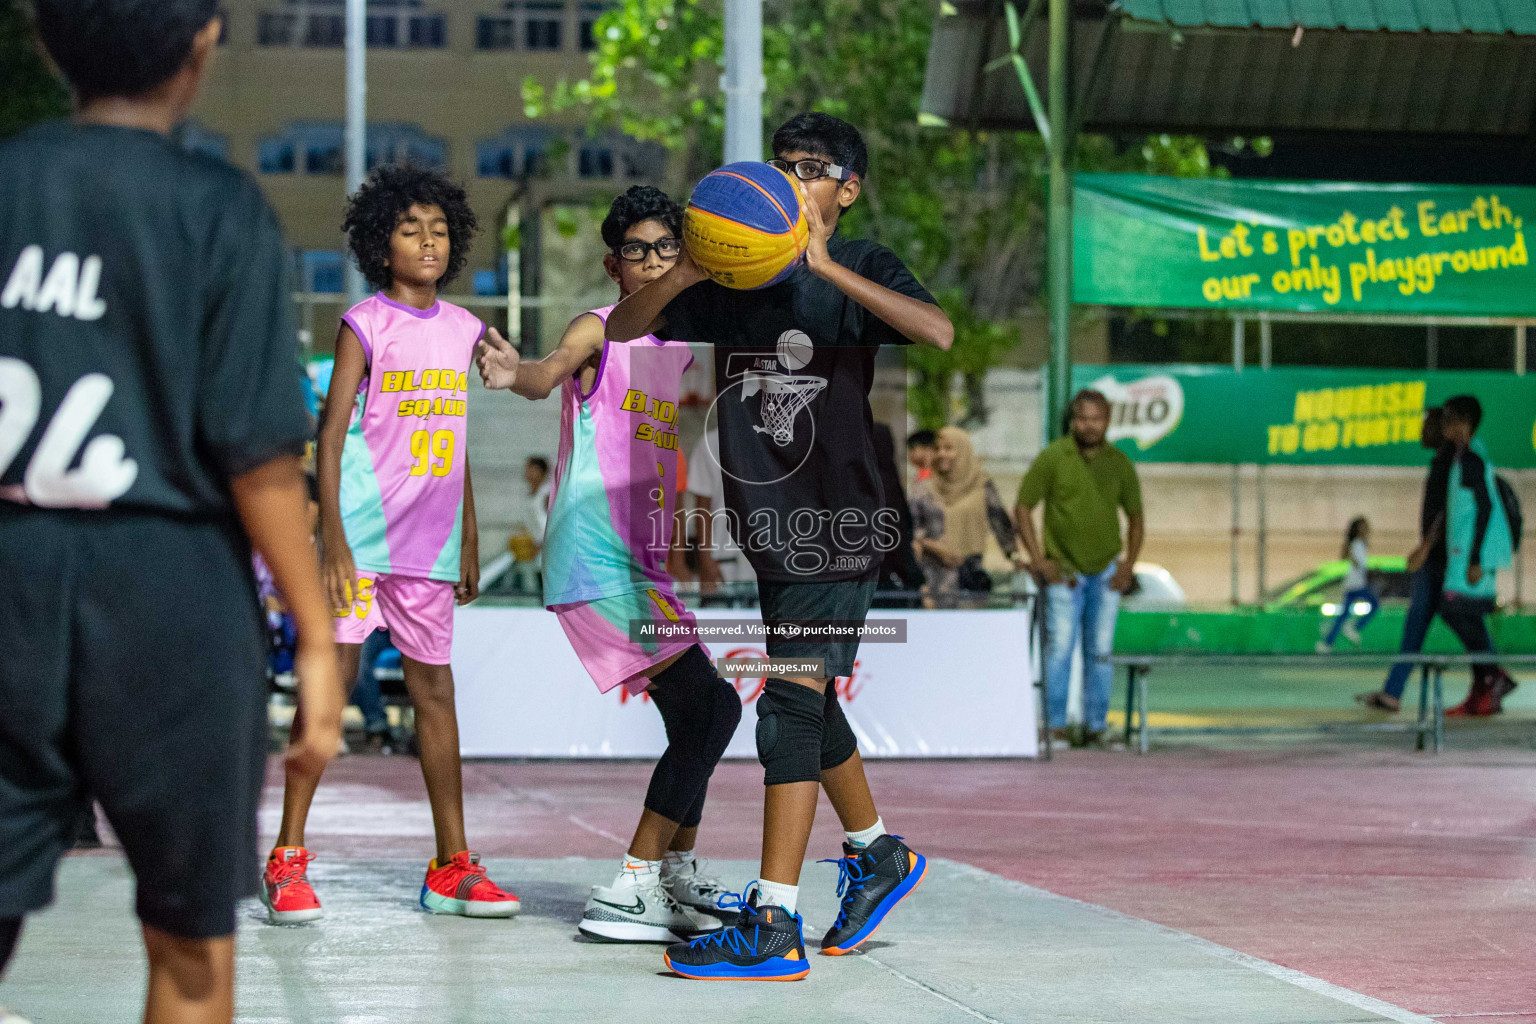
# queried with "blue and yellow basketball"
point(744, 226)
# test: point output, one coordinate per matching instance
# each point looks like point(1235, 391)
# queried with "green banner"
point(1341, 247)
point(1303, 416)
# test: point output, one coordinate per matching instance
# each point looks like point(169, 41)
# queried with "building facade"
point(444, 90)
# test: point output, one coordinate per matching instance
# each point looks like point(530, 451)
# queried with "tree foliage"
point(28, 89)
point(964, 209)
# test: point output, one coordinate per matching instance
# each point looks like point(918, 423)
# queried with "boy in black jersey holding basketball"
point(819, 482)
point(151, 428)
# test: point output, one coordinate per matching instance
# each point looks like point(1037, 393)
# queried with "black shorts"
point(843, 601)
point(131, 672)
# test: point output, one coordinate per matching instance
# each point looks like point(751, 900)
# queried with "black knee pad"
point(790, 725)
point(838, 743)
point(701, 712)
point(10, 931)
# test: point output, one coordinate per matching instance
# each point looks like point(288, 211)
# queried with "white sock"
point(636, 872)
point(774, 894)
point(867, 836)
point(677, 862)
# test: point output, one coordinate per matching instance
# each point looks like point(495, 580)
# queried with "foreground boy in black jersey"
point(793, 368)
point(150, 408)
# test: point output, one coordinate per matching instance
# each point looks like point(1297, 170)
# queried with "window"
point(399, 143)
point(429, 31)
point(422, 31)
point(325, 30)
point(276, 29)
point(494, 33)
point(595, 160)
point(536, 25)
point(642, 161)
point(324, 155)
point(516, 153)
point(383, 30)
point(194, 138)
point(314, 146)
point(389, 24)
point(322, 270)
point(495, 159)
point(318, 148)
point(275, 156)
point(542, 24)
point(587, 34)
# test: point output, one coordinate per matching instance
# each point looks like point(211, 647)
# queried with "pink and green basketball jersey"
point(615, 480)
point(402, 467)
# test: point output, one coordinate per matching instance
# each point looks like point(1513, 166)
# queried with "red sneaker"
point(1479, 703)
point(460, 887)
point(285, 888)
point(1503, 685)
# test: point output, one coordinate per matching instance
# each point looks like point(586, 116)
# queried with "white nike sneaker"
point(641, 913)
point(693, 888)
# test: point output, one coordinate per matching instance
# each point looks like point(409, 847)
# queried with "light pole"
point(1059, 217)
point(742, 82)
point(357, 122)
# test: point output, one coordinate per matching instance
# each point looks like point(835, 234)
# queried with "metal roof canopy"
point(1458, 71)
point(1457, 74)
point(1455, 69)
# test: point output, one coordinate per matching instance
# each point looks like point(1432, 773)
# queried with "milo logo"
point(1145, 410)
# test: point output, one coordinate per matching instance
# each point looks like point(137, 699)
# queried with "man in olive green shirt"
point(1084, 482)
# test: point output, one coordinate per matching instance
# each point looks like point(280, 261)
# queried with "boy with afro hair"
point(398, 537)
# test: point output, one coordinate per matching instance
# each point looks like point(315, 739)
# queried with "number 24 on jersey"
point(104, 473)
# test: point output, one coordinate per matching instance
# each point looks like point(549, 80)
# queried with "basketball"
point(744, 226)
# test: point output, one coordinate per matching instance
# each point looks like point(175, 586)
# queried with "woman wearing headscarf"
point(952, 513)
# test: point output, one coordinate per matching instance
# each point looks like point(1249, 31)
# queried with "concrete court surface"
point(975, 947)
point(1407, 878)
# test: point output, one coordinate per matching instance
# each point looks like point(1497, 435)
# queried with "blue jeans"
point(1423, 601)
point(365, 692)
point(1351, 597)
point(1085, 611)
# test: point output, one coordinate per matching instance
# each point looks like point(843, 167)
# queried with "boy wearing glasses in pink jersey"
point(610, 526)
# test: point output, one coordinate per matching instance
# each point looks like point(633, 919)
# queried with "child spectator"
point(1357, 588)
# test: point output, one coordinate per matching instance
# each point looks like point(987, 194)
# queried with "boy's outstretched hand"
point(497, 361)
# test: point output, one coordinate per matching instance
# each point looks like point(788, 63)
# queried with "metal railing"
point(1431, 718)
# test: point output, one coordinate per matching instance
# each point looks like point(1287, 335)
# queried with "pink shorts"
point(418, 613)
point(600, 632)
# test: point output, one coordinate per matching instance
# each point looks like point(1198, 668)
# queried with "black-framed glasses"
point(811, 169)
point(668, 248)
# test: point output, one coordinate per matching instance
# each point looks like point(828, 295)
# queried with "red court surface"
point(1400, 876)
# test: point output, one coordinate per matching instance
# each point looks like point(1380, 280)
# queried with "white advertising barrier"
point(960, 686)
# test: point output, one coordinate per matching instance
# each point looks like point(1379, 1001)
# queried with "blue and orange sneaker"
point(763, 944)
point(871, 881)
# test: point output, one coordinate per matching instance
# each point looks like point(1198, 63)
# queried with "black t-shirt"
point(794, 364)
point(1433, 505)
point(147, 343)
